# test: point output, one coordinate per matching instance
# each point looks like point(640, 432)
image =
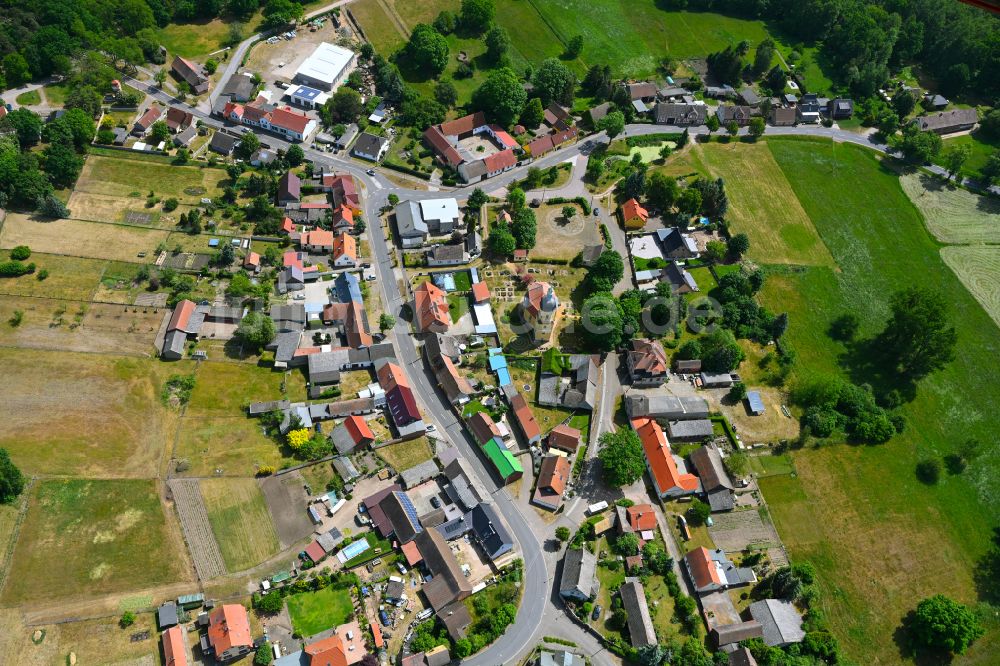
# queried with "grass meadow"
point(981, 148)
point(979, 270)
point(313, 612)
point(71, 278)
point(121, 176)
point(879, 539)
point(404, 455)
point(240, 521)
point(225, 388)
point(953, 215)
point(93, 537)
point(234, 444)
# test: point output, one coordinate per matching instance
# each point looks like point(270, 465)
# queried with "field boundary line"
point(394, 18)
point(548, 24)
point(116, 353)
point(8, 555)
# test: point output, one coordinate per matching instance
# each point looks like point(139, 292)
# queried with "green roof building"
point(507, 466)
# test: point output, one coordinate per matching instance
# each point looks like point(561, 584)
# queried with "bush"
point(42, 274)
point(127, 620)
point(929, 471)
point(20, 253)
point(170, 204)
point(15, 269)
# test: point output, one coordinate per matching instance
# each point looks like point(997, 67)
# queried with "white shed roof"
point(326, 62)
point(439, 209)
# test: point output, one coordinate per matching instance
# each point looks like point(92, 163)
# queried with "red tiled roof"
point(554, 473)
point(179, 118)
point(359, 430)
point(442, 146)
point(289, 119)
point(649, 357)
point(525, 417)
point(565, 438)
point(631, 210)
point(228, 627)
point(463, 125)
point(412, 553)
point(291, 258)
point(666, 476)
point(498, 161)
point(181, 316)
point(534, 296)
point(343, 214)
point(376, 634)
point(641, 517)
point(174, 648)
point(316, 205)
point(562, 136)
point(390, 376)
point(703, 569)
point(232, 108)
point(483, 427)
point(327, 652)
point(345, 245)
point(480, 292)
point(539, 146)
point(287, 226)
point(431, 307)
point(315, 552)
point(150, 117)
point(318, 238)
point(252, 259)
point(506, 139)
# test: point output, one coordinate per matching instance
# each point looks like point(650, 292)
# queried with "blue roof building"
point(755, 403)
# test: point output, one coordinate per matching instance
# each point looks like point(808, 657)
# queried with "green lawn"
point(30, 98)
point(379, 30)
point(981, 146)
point(858, 513)
point(404, 455)
point(56, 93)
point(313, 612)
point(224, 389)
point(240, 521)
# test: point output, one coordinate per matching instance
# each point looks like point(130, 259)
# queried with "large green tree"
point(11, 479)
point(497, 44)
point(501, 96)
point(427, 49)
point(942, 624)
point(477, 15)
point(601, 322)
point(919, 336)
point(256, 330)
point(554, 82)
point(621, 457)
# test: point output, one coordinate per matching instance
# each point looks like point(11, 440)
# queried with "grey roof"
point(395, 589)
point(447, 254)
point(673, 91)
point(345, 468)
point(708, 462)
point(474, 169)
point(402, 516)
point(750, 96)
point(667, 407)
point(342, 440)
point(600, 111)
point(288, 317)
point(166, 615)
point(591, 253)
point(462, 493)
point(679, 276)
point(185, 136)
point(330, 539)
point(409, 221)
point(781, 621)
point(441, 344)
point(640, 625)
point(369, 144)
point(681, 114)
point(257, 408)
point(755, 402)
point(284, 345)
point(490, 531)
point(439, 658)
point(448, 584)
point(727, 634)
point(456, 527)
point(455, 617)
point(325, 367)
point(416, 475)
point(742, 656)
point(560, 658)
point(579, 573)
point(695, 429)
point(173, 344)
point(945, 120)
point(223, 143)
point(239, 88)
point(575, 390)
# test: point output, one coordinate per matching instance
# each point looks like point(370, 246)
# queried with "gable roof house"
point(571, 384)
point(678, 276)
point(401, 516)
point(749, 96)
point(228, 635)
point(565, 438)
point(783, 116)
point(946, 122)
point(553, 475)
point(141, 127)
point(728, 113)
point(448, 584)
point(840, 108)
point(483, 427)
point(579, 575)
point(781, 621)
point(675, 244)
point(690, 431)
point(440, 215)
point(711, 570)
point(443, 138)
point(455, 386)
point(191, 73)
point(647, 363)
point(399, 396)
point(354, 432)
point(178, 119)
point(185, 322)
point(525, 419)
point(665, 408)
point(223, 143)
point(666, 477)
point(643, 90)
point(683, 115)
point(413, 230)
point(317, 240)
point(640, 624)
point(370, 147)
point(809, 108)
point(174, 647)
point(289, 189)
point(634, 216)
point(430, 308)
point(345, 250)
point(715, 482)
point(447, 255)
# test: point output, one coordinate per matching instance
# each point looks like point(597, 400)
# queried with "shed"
point(166, 615)
point(754, 403)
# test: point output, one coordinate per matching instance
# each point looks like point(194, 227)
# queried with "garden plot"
point(197, 527)
point(738, 530)
point(240, 522)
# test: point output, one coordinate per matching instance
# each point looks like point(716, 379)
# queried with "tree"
point(661, 191)
point(562, 533)
point(80, 125)
point(278, 13)
point(477, 199)
point(11, 479)
point(919, 147)
point(726, 65)
point(775, 80)
point(524, 227)
point(62, 164)
point(732, 128)
point(763, 56)
point(720, 352)
point(159, 131)
point(50, 206)
point(515, 199)
point(929, 471)
point(903, 103)
point(446, 94)
point(427, 49)
point(568, 212)
point(757, 127)
point(386, 322)
point(445, 22)
point(501, 242)
point(477, 15)
point(627, 544)
point(689, 201)
point(990, 172)
point(845, 327)
point(574, 48)
point(126, 620)
point(606, 271)
point(533, 113)
point(554, 82)
point(942, 624)
point(295, 155)
point(256, 330)
point(622, 457)
point(918, 336)
point(421, 112)
point(249, 144)
point(598, 81)
point(344, 107)
point(699, 512)
point(27, 124)
point(715, 251)
point(779, 326)
point(712, 123)
point(739, 245)
point(613, 123)
point(602, 321)
point(501, 96)
point(15, 70)
point(263, 655)
point(497, 44)
point(955, 158)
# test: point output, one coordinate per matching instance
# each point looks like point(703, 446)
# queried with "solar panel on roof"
point(411, 511)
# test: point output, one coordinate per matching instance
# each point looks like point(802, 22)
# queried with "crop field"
point(78, 238)
point(103, 537)
point(979, 270)
point(763, 205)
point(953, 215)
point(407, 454)
point(234, 444)
point(240, 521)
point(71, 278)
point(48, 324)
point(84, 414)
point(313, 612)
point(224, 388)
point(879, 539)
point(122, 177)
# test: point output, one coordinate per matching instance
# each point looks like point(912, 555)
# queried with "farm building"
point(327, 67)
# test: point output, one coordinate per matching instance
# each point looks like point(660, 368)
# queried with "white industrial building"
point(307, 97)
point(327, 67)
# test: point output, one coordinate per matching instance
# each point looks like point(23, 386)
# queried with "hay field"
point(106, 208)
point(92, 641)
point(102, 327)
point(78, 238)
point(953, 215)
point(84, 414)
point(71, 278)
point(240, 521)
point(979, 270)
point(93, 537)
point(125, 177)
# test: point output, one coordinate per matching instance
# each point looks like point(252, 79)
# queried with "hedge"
point(580, 201)
point(652, 139)
point(406, 169)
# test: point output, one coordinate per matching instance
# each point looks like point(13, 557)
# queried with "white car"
point(431, 428)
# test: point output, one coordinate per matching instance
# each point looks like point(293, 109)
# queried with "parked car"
point(383, 617)
point(435, 502)
point(597, 612)
point(370, 172)
point(401, 567)
point(597, 211)
point(431, 428)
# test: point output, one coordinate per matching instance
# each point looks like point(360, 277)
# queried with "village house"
point(675, 244)
point(640, 625)
point(525, 419)
point(228, 636)
point(634, 216)
point(667, 479)
point(728, 113)
point(684, 115)
point(579, 575)
point(647, 363)
point(947, 122)
point(665, 408)
point(783, 116)
point(178, 119)
point(345, 251)
point(711, 570)
point(190, 73)
point(142, 126)
point(781, 622)
point(715, 481)
point(289, 189)
point(564, 438)
point(430, 309)
point(553, 475)
point(447, 255)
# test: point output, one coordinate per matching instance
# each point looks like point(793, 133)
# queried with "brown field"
point(69, 277)
point(102, 327)
point(125, 177)
point(84, 414)
point(106, 208)
point(562, 239)
point(240, 521)
point(233, 444)
point(79, 238)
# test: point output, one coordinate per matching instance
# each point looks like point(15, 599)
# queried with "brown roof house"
point(647, 363)
point(192, 73)
point(553, 475)
point(178, 119)
point(565, 438)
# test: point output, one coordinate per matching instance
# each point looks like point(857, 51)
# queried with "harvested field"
point(286, 500)
point(979, 270)
point(240, 522)
point(79, 238)
point(102, 327)
point(69, 277)
point(131, 210)
point(123, 177)
point(734, 531)
point(232, 445)
point(109, 536)
point(953, 215)
point(99, 641)
point(84, 414)
point(197, 527)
